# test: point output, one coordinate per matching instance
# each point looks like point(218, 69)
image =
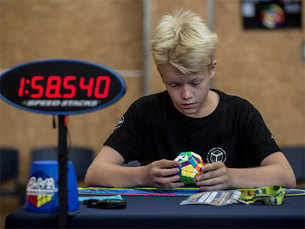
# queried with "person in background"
point(227, 131)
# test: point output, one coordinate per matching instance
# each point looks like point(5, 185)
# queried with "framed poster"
point(271, 14)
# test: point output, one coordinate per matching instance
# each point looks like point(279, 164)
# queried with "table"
point(165, 212)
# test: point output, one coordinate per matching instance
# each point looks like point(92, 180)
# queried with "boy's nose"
point(186, 93)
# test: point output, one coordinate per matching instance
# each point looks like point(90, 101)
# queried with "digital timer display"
point(61, 86)
point(64, 87)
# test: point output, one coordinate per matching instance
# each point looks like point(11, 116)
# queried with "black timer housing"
point(61, 86)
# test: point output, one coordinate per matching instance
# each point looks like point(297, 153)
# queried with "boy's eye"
point(173, 85)
point(195, 83)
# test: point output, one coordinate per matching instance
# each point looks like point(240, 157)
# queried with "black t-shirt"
point(153, 129)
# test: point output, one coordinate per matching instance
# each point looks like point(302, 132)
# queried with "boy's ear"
point(158, 69)
point(212, 69)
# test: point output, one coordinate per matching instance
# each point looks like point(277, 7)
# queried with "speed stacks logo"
point(40, 189)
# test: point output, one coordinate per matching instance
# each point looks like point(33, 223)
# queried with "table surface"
point(165, 212)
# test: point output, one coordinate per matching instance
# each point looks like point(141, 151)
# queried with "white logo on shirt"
point(216, 154)
point(120, 123)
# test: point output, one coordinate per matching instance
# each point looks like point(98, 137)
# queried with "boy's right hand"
point(163, 174)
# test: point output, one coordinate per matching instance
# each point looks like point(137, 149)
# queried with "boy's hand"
point(163, 173)
point(214, 176)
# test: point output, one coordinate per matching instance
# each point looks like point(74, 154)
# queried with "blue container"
point(42, 188)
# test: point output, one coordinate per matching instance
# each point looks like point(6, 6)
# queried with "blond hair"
point(184, 41)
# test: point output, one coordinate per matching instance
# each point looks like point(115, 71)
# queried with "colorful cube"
point(190, 164)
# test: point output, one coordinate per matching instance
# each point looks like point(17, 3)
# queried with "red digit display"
point(64, 87)
point(87, 86)
point(99, 81)
point(53, 87)
point(70, 87)
point(37, 87)
point(21, 87)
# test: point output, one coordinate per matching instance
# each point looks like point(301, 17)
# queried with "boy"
point(227, 131)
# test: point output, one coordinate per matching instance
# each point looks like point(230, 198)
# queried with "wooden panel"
point(104, 32)
point(264, 67)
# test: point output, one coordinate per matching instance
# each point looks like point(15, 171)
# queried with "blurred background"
point(264, 65)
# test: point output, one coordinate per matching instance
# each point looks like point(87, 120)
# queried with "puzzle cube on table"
point(190, 164)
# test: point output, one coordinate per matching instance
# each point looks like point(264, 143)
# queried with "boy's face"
point(189, 93)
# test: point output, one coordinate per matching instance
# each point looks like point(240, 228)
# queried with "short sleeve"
point(126, 137)
point(258, 139)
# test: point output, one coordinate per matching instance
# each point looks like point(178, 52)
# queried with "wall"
point(104, 32)
point(264, 67)
point(267, 68)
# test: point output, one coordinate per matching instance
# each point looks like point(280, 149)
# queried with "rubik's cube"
point(190, 164)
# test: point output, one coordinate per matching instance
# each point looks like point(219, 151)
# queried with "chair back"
point(81, 157)
point(296, 157)
point(9, 163)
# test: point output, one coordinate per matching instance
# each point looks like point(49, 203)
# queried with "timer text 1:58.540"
point(64, 87)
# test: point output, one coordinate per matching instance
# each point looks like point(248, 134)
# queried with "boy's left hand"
point(214, 176)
